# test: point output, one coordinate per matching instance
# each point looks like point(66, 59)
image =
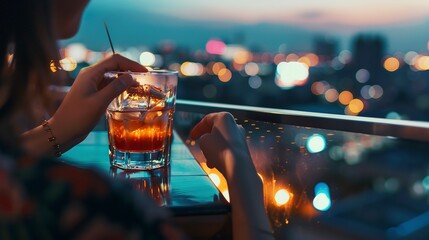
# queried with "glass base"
point(139, 160)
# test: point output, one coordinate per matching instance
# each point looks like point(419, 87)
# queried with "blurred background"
point(356, 57)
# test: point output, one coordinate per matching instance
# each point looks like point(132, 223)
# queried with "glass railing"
point(329, 176)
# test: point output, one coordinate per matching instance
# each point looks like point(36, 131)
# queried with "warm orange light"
point(215, 179)
point(53, 67)
point(345, 97)
point(356, 106)
point(305, 60)
point(422, 63)
point(314, 59)
point(217, 67)
point(282, 197)
point(209, 68)
point(242, 57)
point(68, 64)
point(391, 64)
point(224, 75)
point(192, 69)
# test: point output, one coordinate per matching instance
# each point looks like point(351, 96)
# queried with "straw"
point(108, 35)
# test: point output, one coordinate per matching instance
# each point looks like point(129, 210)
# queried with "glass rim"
point(154, 71)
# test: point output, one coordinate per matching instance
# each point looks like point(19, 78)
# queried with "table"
point(183, 187)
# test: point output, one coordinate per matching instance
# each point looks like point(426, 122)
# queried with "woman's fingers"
point(119, 63)
point(116, 87)
point(210, 121)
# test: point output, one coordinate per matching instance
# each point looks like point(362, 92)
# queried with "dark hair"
point(27, 35)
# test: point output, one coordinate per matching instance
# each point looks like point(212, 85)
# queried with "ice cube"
point(126, 116)
point(144, 96)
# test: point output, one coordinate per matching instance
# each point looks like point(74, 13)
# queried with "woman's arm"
point(224, 146)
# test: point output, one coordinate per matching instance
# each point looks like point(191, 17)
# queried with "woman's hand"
point(223, 144)
point(88, 99)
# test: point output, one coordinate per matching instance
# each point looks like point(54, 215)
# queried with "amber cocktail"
point(140, 121)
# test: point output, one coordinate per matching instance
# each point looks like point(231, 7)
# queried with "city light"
point(391, 64)
point(345, 97)
point(282, 197)
point(224, 75)
point(147, 59)
point(375, 91)
point(216, 47)
point(192, 69)
point(251, 69)
point(322, 199)
point(362, 75)
point(290, 74)
point(421, 63)
point(316, 143)
point(356, 106)
point(77, 51)
point(331, 95)
point(255, 82)
point(217, 67)
point(319, 88)
point(68, 64)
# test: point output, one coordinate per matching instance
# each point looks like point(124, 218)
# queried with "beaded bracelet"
point(52, 138)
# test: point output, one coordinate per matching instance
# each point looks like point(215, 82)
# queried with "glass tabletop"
point(183, 187)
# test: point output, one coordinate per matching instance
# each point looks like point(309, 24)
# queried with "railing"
point(330, 176)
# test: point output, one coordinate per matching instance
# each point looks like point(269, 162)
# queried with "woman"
point(46, 199)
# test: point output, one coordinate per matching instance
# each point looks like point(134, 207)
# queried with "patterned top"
point(48, 199)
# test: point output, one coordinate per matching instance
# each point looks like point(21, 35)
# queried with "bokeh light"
point(147, 59)
point(68, 64)
point(192, 69)
point(290, 74)
point(356, 106)
point(282, 197)
point(251, 69)
point(217, 67)
point(77, 51)
point(322, 199)
point(376, 91)
point(391, 64)
point(331, 95)
point(362, 75)
point(316, 143)
point(345, 97)
point(225, 75)
point(319, 88)
point(215, 47)
point(255, 82)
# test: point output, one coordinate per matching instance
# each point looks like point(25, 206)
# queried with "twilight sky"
point(353, 14)
point(265, 23)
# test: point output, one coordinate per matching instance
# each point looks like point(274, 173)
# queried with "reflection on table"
point(182, 187)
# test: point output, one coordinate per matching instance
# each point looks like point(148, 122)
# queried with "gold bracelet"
point(52, 138)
